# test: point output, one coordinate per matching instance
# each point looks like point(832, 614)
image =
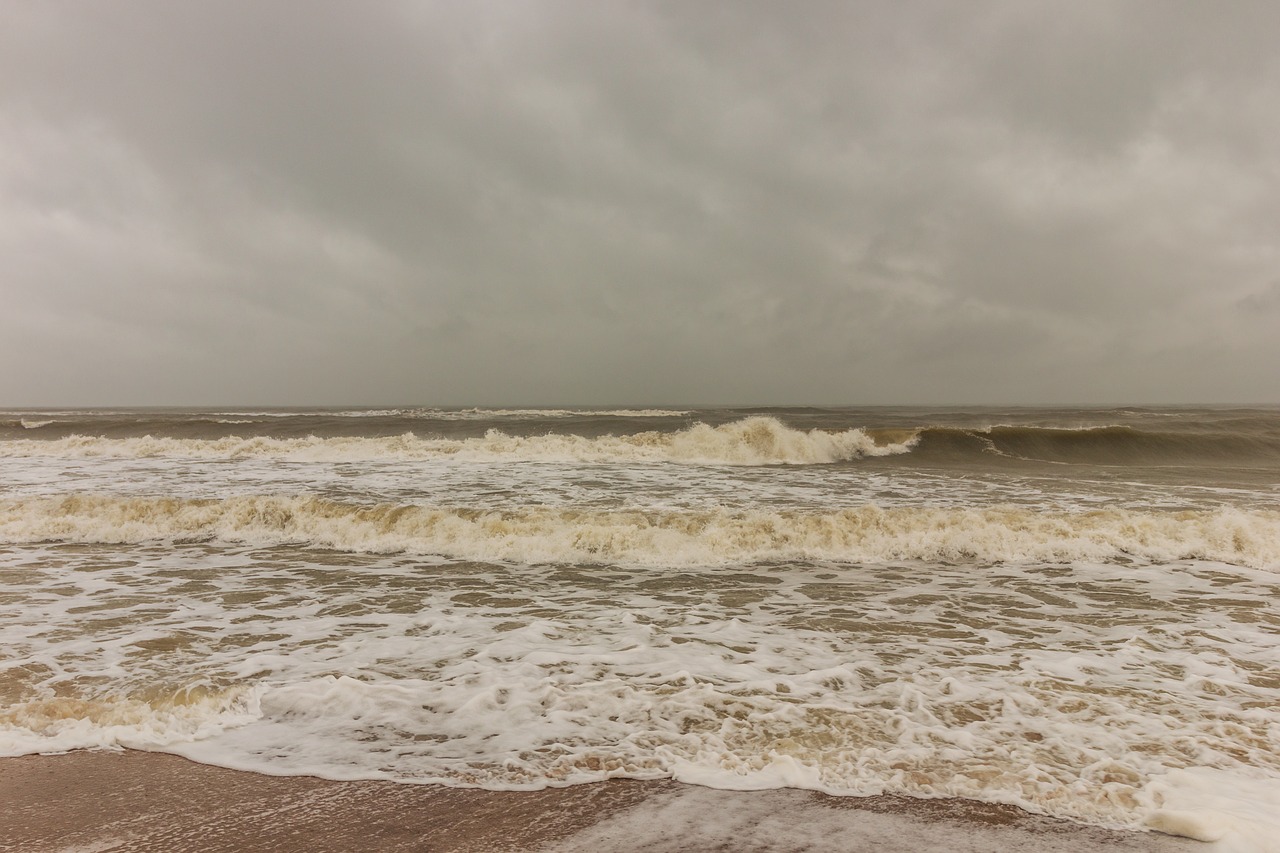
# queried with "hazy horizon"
point(622, 406)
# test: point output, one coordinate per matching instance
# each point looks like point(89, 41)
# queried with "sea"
point(1072, 610)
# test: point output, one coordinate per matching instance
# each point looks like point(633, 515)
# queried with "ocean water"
point(1073, 610)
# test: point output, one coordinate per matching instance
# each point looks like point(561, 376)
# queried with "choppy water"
point(1071, 610)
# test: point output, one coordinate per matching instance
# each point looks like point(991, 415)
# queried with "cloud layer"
point(571, 202)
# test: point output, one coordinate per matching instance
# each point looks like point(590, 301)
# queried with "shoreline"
point(146, 801)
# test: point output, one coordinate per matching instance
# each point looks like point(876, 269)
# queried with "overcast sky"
point(604, 202)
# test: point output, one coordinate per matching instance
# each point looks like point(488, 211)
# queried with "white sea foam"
point(1237, 813)
point(658, 537)
point(58, 724)
point(752, 441)
point(1003, 684)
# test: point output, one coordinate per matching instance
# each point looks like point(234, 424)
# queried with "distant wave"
point(755, 440)
point(752, 441)
point(178, 422)
point(474, 412)
point(1108, 444)
point(445, 414)
point(23, 423)
point(657, 537)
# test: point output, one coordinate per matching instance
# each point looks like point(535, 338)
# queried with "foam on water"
point(58, 724)
point(656, 537)
point(1239, 815)
point(1003, 684)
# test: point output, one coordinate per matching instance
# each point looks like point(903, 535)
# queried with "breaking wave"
point(751, 441)
point(755, 440)
point(665, 538)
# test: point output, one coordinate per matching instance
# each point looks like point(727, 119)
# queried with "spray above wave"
point(751, 441)
point(664, 538)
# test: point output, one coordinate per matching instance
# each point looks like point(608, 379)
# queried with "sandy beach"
point(137, 801)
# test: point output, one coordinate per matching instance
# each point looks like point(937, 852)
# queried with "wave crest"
point(658, 537)
point(751, 441)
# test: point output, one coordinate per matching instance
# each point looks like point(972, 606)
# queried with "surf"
point(534, 534)
point(750, 441)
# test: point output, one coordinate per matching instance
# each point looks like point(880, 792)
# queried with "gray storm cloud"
point(998, 202)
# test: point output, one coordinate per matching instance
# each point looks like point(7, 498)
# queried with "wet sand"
point(138, 801)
